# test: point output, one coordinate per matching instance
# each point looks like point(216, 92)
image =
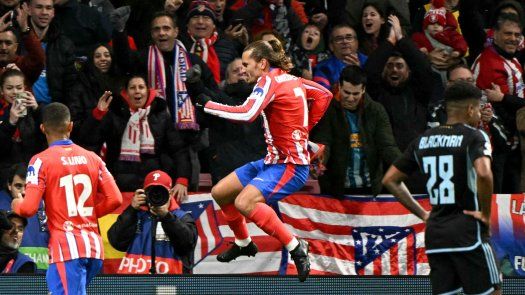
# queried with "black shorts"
point(473, 272)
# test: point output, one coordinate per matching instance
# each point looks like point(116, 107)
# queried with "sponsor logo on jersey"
point(68, 226)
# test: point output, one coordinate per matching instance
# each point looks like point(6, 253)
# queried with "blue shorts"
point(274, 181)
point(72, 275)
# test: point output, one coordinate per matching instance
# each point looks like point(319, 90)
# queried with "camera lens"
point(157, 195)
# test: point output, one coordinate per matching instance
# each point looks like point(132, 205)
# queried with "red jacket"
point(491, 67)
point(449, 37)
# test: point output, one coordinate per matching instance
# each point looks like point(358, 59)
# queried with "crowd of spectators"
point(121, 66)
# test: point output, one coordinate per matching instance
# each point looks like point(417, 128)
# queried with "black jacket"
point(60, 64)
point(171, 153)
point(29, 140)
point(233, 144)
point(406, 105)
point(182, 233)
point(90, 86)
point(376, 136)
point(83, 25)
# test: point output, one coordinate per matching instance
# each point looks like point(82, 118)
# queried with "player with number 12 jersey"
point(69, 177)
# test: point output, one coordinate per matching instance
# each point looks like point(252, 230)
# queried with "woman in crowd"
point(19, 134)
point(97, 78)
point(374, 27)
point(139, 136)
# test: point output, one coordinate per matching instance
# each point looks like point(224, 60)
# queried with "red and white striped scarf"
point(181, 109)
point(137, 138)
point(204, 48)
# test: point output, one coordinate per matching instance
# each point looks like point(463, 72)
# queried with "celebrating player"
point(456, 159)
point(68, 178)
point(290, 107)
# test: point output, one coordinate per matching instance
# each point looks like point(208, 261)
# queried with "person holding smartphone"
point(19, 132)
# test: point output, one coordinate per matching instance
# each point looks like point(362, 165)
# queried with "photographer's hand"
point(160, 211)
point(139, 199)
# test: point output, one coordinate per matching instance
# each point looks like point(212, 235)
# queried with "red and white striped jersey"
point(290, 107)
point(491, 67)
point(72, 181)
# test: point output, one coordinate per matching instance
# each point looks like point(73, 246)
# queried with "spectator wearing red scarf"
point(205, 40)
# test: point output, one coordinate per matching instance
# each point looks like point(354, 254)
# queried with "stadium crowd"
point(124, 68)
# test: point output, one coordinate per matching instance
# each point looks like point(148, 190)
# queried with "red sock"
point(236, 221)
point(266, 219)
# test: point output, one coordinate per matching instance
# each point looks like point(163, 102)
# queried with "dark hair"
point(10, 73)
point(274, 53)
point(163, 13)
point(353, 74)
point(18, 169)
point(56, 117)
point(382, 11)
point(461, 91)
point(135, 76)
point(503, 5)
point(337, 27)
point(15, 33)
point(507, 17)
point(455, 67)
point(113, 67)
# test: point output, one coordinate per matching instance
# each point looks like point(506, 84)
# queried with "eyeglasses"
point(341, 39)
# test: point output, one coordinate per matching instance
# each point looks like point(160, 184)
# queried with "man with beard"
point(497, 68)
point(59, 75)
point(344, 45)
point(400, 78)
point(12, 231)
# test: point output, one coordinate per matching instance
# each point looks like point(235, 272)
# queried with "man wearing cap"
point(204, 39)
point(176, 234)
point(12, 228)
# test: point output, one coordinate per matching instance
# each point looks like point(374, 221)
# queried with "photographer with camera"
point(175, 237)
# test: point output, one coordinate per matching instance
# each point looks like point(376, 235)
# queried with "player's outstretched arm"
point(393, 181)
point(112, 198)
point(28, 205)
point(485, 189)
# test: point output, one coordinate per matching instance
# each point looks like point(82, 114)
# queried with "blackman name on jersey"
point(436, 141)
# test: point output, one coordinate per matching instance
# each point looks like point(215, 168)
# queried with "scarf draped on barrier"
point(181, 109)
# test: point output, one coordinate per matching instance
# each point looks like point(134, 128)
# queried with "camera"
point(156, 195)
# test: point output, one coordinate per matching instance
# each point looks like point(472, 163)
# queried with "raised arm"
point(260, 97)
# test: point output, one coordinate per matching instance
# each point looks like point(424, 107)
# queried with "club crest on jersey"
point(68, 226)
point(296, 135)
point(32, 172)
point(258, 91)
